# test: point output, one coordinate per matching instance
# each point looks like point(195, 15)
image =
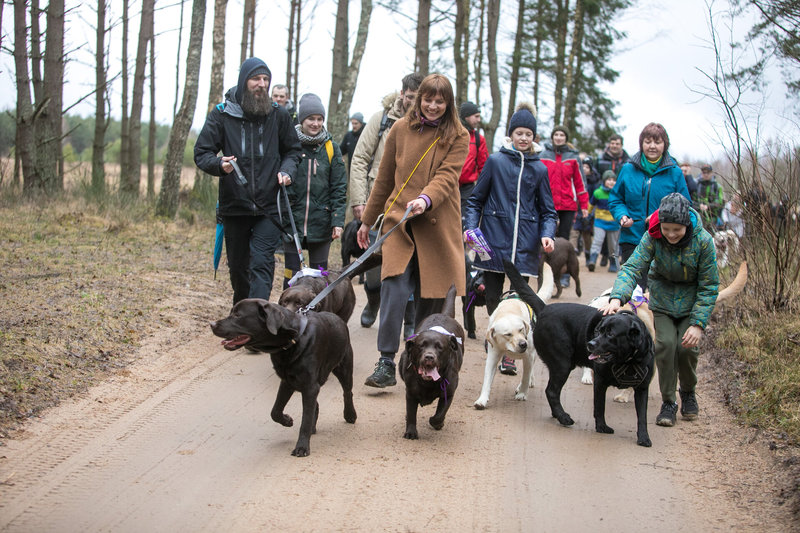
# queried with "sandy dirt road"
point(183, 441)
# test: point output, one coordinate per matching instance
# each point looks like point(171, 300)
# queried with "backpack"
point(386, 123)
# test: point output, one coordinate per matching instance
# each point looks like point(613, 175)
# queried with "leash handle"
point(295, 236)
point(368, 252)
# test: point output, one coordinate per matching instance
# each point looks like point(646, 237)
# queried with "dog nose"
point(428, 357)
point(212, 324)
point(523, 345)
point(591, 345)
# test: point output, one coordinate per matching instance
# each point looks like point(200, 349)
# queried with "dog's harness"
point(310, 272)
point(512, 295)
point(629, 374)
point(368, 252)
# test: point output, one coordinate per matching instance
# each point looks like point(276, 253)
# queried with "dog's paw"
point(564, 419)
point(480, 404)
point(622, 397)
point(644, 440)
point(283, 419)
point(411, 434)
point(603, 428)
point(520, 396)
point(350, 416)
point(587, 378)
point(301, 451)
point(436, 423)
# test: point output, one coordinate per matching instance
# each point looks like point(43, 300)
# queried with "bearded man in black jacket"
point(251, 144)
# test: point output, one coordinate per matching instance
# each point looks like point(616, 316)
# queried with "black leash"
point(295, 236)
point(368, 252)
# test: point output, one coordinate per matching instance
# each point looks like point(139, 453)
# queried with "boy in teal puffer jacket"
point(684, 283)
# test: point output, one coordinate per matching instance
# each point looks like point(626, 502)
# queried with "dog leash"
point(295, 236)
point(368, 252)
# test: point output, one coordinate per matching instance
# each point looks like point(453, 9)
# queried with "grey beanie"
point(467, 109)
point(674, 209)
point(358, 116)
point(310, 104)
point(609, 174)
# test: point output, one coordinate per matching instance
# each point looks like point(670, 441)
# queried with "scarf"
point(318, 139)
point(425, 122)
point(650, 167)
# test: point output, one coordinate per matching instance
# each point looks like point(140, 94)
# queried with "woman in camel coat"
point(426, 254)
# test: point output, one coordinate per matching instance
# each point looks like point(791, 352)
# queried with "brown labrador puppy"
point(305, 350)
point(341, 300)
point(430, 364)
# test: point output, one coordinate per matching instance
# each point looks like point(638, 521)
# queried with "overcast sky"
point(658, 63)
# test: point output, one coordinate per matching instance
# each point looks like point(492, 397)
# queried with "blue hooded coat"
point(513, 207)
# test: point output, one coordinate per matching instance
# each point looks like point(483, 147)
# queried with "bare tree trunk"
point(479, 42)
point(248, 22)
point(573, 68)
point(151, 130)
point(24, 135)
point(293, 82)
point(340, 55)
point(203, 183)
point(134, 175)
point(36, 52)
point(178, 63)
point(170, 182)
point(423, 37)
point(253, 30)
point(516, 59)
point(337, 122)
point(537, 56)
point(124, 136)
point(562, 19)
point(290, 42)
point(494, 78)
point(47, 127)
point(461, 50)
point(99, 143)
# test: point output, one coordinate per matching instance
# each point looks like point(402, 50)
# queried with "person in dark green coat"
point(318, 191)
point(684, 283)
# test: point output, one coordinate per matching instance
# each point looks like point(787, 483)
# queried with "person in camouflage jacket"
point(683, 283)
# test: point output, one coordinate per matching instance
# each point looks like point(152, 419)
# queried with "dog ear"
point(453, 344)
point(273, 318)
point(490, 336)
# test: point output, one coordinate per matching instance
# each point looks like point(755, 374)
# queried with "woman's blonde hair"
point(437, 85)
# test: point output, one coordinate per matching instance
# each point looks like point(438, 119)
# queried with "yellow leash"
point(412, 173)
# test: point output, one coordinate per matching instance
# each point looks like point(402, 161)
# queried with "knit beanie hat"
point(359, 117)
point(562, 129)
point(310, 104)
point(523, 117)
point(674, 209)
point(467, 109)
point(609, 174)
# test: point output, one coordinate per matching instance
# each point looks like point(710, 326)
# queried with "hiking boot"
point(370, 312)
point(383, 375)
point(667, 415)
point(591, 262)
point(612, 264)
point(689, 408)
point(603, 260)
point(508, 366)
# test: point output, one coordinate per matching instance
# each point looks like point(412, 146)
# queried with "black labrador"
point(350, 247)
point(430, 364)
point(305, 350)
point(618, 348)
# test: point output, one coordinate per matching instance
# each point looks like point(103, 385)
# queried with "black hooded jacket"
point(263, 146)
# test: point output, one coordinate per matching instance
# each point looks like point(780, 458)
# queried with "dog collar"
point(512, 295)
point(293, 341)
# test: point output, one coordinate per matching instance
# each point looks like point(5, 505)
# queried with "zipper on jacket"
point(308, 196)
point(516, 213)
point(253, 172)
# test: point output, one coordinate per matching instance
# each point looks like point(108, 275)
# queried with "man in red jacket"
point(478, 152)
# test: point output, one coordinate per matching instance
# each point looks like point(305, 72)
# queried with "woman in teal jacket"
point(643, 181)
point(317, 192)
point(684, 283)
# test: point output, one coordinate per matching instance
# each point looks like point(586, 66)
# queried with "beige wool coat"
point(437, 232)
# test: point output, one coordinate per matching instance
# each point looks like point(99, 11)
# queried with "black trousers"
point(565, 221)
point(250, 243)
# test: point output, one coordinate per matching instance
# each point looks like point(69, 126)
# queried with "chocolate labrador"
point(430, 364)
point(305, 350)
point(341, 300)
point(563, 259)
point(566, 335)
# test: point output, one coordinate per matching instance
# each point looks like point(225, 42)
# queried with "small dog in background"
point(350, 247)
point(727, 243)
point(476, 297)
point(563, 259)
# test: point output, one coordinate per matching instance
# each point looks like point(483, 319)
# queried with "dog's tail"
point(526, 294)
point(369, 263)
point(449, 306)
point(736, 286)
point(548, 284)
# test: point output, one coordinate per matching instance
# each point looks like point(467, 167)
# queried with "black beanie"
point(674, 209)
point(523, 117)
point(467, 109)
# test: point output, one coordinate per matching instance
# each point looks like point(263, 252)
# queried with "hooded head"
point(523, 117)
point(250, 68)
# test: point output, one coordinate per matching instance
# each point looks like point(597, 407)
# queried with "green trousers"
point(675, 363)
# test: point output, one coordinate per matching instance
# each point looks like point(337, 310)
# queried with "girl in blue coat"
point(513, 206)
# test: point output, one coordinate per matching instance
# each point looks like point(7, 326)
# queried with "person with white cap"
point(684, 283)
